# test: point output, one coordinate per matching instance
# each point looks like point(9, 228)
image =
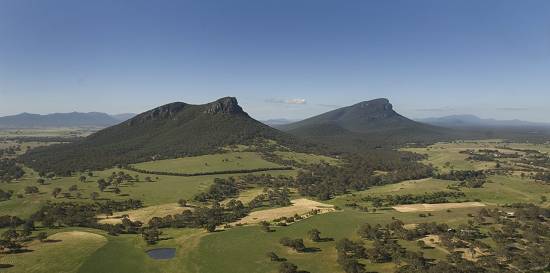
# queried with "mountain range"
point(59, 120)
point(465, 121)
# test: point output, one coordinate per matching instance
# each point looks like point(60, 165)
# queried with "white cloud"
point(296, 101)
point(287, 101)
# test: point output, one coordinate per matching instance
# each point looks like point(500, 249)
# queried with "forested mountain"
point(368, 123)
point(74, 119)
point(172, 130)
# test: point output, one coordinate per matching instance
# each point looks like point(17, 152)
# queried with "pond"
point(162, 253)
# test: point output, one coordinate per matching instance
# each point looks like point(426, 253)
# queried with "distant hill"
point(278, 121)
point(365, 124)
point(463, 121)
point(172, 130)
point(74, 119)
point(124, 116)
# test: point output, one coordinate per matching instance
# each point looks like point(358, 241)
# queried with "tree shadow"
point(51, 241)
point(311, 250)
point(323, 240)
point(5, 266)
point(18, 251)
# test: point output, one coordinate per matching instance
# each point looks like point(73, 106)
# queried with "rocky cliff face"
point(227, 105)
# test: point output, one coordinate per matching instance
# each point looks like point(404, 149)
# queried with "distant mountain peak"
point(373, 109)
point(226, 105)
point(368, 122)
point(381, 102)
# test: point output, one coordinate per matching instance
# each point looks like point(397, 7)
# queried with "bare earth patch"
point(144, 214)
point(77, 235)
point(299, 206)
point(435, 207)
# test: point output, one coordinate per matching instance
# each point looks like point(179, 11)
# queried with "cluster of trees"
point(542, 176)
point(10, 221)
point(9, 170)
point(268, 180)
point(348, 254)
point(271, 198)
point(114, 181)
point(469, 178)
point(429, 198)
point(18, 231)
point(202, 217)
point(282, 168)
point(10, 151)
point(5, 195)
point(220, 190)
point(488, 155)
point(296, 244)
point(80, 215)
point(324, 181)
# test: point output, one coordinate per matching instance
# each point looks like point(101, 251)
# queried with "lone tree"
point(182, 202)
point(287, 267)
point(151, 235)
point(42, 236)
point(82, 178)
point(41, 181)
point(102, 184)
point(274, 257)
point(94, 195)
point(314, 235)
point(265, 226)
point(56, 192)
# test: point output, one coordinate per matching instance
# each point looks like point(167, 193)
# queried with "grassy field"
point(303, 158)
point(230, 161)
point(447, 156)
point(243, 249)
point(498, 191)
point(66, 252)
point(165, 189)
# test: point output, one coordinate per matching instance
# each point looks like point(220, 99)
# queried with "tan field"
point(299, 206)
point(436, 207)
point(144, 214)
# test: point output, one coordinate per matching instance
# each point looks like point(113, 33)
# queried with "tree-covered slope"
point(172, 130)
point(368, 123)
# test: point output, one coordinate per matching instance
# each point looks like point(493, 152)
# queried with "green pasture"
point(230, 161)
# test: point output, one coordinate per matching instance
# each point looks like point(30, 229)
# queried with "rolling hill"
point(172, 130)
point(368, 123)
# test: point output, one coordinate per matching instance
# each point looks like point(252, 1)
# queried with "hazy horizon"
point(283, 59)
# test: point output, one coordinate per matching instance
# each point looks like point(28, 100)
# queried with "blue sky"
point(281, 59)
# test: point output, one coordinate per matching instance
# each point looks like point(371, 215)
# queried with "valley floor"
point(243, 247)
